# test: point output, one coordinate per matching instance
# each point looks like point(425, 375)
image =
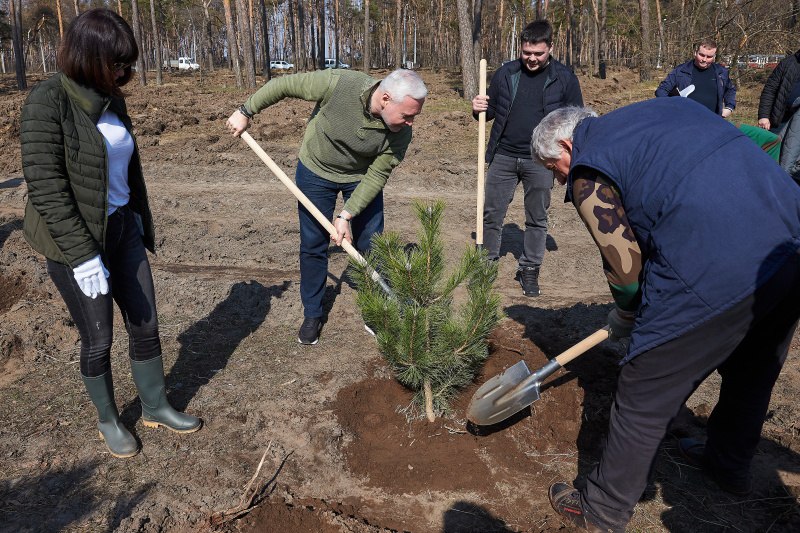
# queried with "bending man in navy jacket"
point(701, 246)
point(521, 93)
point(712, 86)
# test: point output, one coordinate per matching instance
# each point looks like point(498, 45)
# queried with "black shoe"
point(694, 452)
point(567, 503)
point(309, 331)
point(528, 278)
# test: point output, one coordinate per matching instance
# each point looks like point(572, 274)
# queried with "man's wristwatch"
point(243, 110)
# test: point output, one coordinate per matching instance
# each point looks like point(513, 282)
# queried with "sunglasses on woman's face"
point(121, 66)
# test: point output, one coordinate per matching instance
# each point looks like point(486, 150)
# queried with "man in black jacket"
point(780, 92)
point(520, 95)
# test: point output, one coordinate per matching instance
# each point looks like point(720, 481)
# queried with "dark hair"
point(538, 31)
point(95, 41)
point(708, 42)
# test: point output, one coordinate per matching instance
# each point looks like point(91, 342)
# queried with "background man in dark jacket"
point(712, 85)
point(521, 94)
point(698, 286)
point(782, 89)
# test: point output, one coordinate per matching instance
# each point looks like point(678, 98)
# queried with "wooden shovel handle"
point(302, 198)
point(589, 342)
point(481, 156)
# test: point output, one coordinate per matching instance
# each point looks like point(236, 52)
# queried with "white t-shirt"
point(119, 146)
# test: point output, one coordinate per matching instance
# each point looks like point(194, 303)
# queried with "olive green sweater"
point(343, 142)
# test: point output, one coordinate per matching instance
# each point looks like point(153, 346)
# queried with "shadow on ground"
point(206, 346)
point(58, 498)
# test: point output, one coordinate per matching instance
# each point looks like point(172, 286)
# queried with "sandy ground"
point(339, 453)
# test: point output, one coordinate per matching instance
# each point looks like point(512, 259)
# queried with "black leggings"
point(130, 285)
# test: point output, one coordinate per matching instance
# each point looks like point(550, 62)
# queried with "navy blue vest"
point(714, 215)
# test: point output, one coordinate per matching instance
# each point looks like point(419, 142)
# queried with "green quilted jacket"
point(66, 169)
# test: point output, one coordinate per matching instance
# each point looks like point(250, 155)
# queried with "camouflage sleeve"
point(600, 207)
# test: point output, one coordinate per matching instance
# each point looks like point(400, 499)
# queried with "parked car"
point(182, 63)
point(280, 65)
point(331, 63)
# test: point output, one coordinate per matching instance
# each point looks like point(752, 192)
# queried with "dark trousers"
point(315, 239)
point(504, 175)
point(747, 345)
point(130, 286)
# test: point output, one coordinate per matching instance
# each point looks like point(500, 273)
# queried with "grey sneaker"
point(528, 278)
point(309, 331)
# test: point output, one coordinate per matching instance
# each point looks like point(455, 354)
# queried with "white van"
point(331, 63)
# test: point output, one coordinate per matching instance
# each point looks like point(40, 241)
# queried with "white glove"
point(91, 277)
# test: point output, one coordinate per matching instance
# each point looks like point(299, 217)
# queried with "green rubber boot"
point(156, 410)
point(118, 439)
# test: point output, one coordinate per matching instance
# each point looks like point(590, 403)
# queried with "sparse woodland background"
point(244, 35)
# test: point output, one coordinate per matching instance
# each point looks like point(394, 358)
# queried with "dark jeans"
point(501, 181)
point(747, 345)
point(315, 239)
point(130, 285)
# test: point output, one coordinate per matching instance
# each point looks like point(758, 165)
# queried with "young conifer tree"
point(433, 349)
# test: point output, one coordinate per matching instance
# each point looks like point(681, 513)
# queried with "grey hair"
point(557, 126)
point(401, 83)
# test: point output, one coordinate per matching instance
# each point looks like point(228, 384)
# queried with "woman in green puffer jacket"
point(87, 213)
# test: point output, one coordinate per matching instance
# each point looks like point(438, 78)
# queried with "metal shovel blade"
point(511, 393)
point(487, 406)
point(516, 388)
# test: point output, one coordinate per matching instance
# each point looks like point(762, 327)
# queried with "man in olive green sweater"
point(359, 131)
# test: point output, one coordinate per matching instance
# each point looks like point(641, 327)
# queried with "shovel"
point(308, 204)
point(516, 388)
point(481, 158)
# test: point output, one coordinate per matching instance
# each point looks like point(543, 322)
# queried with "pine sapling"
point(433, 349)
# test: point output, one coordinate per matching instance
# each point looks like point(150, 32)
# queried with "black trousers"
point(747, 345)
point(130, 286)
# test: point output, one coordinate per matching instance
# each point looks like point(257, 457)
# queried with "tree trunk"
point(233, 47)
point(367, 58)
point(75, 5)
point(661, 41)
point(156, 43)
point(426, 385)
point(302, 56)
point(568, 59)
point(267, 58)
point(246, 33)
point(60, 19)
point(467, 51)
point(208, 39)
point(293, 35)
point(398, 34)
point(321, 50)
point(476, 32)
point(15, 14)
point(644, 57)
point(337, 48)
point(137, 34)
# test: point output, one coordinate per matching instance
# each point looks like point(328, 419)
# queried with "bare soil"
point(341, 453)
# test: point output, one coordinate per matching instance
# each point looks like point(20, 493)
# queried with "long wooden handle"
point(589, 342)
point(308, 204)
point(481, 157)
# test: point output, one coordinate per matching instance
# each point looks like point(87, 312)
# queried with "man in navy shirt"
point(523, 92)
point(702, 80)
